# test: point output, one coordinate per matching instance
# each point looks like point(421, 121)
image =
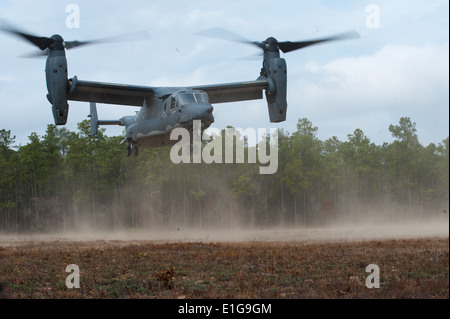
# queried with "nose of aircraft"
point(197, 111)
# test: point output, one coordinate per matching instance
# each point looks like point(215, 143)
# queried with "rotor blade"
point(138, 36)
point(223, 34)
point(36, 54)
point(288, 46)
point(41, 42)
point(253, 57)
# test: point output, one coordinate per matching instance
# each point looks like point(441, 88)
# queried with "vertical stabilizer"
point(94, 119)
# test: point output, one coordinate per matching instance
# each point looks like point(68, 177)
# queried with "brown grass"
point(409, 268)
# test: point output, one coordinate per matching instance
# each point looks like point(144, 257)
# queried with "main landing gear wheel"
point(132, 149)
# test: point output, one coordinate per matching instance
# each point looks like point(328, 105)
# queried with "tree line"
point(68, 181)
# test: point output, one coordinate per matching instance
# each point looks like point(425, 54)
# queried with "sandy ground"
point(438, 227)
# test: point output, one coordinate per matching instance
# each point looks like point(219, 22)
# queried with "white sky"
point(399, 69)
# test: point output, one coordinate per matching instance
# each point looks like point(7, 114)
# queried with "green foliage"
point(64, 180)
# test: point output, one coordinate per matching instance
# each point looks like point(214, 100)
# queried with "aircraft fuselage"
point(169, 109)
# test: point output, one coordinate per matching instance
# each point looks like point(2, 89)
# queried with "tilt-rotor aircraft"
point(164, 108)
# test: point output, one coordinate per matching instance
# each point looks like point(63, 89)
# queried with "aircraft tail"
point(95, 122)
point(94, 119)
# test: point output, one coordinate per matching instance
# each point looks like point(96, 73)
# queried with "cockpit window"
point(182, 98)
point(195, 97)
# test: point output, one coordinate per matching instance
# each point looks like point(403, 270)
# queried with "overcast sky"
point(399, 67)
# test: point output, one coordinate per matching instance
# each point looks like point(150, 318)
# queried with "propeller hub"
point(57, 43)
point(271, 45)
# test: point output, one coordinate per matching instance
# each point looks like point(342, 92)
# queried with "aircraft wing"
point(109, 93)
point(234, 92)
point(123, 94)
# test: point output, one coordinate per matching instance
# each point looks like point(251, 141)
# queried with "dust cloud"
point(436, 226)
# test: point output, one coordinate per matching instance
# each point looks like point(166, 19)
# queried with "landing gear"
point(132, 149)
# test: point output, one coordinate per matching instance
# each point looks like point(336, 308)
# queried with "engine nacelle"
point(277, 92)
point(57, 85)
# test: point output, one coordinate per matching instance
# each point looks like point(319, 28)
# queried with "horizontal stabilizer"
point(95, 122)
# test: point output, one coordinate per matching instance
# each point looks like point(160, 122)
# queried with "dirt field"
point(292, 264)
